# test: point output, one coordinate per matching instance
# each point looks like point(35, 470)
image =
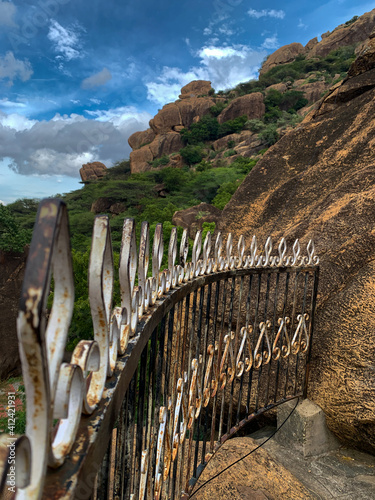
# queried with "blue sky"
point(77, 77)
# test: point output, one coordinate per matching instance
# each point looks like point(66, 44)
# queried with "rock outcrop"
point(181, 113)
point(251, 105)
point(193, 218)
point(196, 88)
point(139, 139)
point(92, 171)
point(102, 205)
point(163, 137)
point(283, 55)
point(318, 182)
point(12, 270)
point(343, 35)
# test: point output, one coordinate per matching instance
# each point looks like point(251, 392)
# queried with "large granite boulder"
point(251, 105)
point(318, 182)
point(180, 113)
point(93, 171)
point(139, 139)
point(283, 55)
point(195, 88)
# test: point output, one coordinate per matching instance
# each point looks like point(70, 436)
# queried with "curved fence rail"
point(192, 354)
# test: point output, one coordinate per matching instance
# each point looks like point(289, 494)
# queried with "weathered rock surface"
point(312, 91)
point(193, 218)
point(163, 144)
point(365, 60)
point(180, 113)
point(251, 105)
point(195, 88)
point(318, 182)
point(222, 143)
point(256, 477)
point(283, 55)
point(12, 270)
point(92, 171)
point(139, 139)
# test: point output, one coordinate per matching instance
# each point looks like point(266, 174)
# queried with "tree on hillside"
point(12, 237)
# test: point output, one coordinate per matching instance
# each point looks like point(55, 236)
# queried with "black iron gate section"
point(192, 353)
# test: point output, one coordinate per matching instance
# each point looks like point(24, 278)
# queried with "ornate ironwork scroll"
point(190, 354)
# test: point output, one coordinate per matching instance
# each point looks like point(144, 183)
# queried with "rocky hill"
point(318, 182)
point(309, 71)
point(353, 32)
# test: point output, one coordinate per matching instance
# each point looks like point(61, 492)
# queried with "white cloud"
point(61, 145)
point(271, 42)
point(301, 25)
point(97, 79)
point(257, 14)
point(5, 103)
point(2, 202)
point(16, 121)
point(224, 66)
point(13, 68)
point(65, 40)
point(7, 13)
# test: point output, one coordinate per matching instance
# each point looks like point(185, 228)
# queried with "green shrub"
point(224, 194)
point(243, 164)
point(204, 130)
point(231, 143)
point(203, 165)
point(192, 154)
point(230, 152)
point(269, 135)
point(255, 125)
point(164, 160)
point(12, 236)
point(218, 108)
point(232, 126)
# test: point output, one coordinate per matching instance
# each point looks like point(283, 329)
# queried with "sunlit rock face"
point(318, 182)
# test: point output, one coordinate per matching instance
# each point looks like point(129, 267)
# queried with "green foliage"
point(203, 165)
point(225, 193)
point(231, 143)
point(351, 21)
point(121, 169)
point(192, 154)
point(204, 130)
point(208, 226)
point(218, 108)
point(336, 61)
point(230, 152)
point(12, 236)
point(269, 135)
point(232, 126)
point(255, 125)
point(243, 164)
point(158, 162)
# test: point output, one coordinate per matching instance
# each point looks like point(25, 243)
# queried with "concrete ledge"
point(306, 430)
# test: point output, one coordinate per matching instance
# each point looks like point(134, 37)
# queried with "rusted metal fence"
point(190, 356)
